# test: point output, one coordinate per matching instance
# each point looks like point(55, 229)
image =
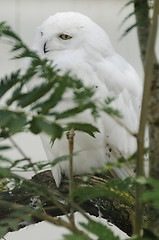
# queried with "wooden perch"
point(114, 211)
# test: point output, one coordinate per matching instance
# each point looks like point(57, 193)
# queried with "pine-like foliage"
point(34, 111)
point(140, 10)
point(52, 90)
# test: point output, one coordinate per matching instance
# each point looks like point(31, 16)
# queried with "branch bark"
point(70, 137)
point(114, 211)
point(151, 68)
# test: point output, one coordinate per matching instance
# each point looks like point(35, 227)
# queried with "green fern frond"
point(8, 82)
point(126, 5)
point(7, 32)
point(129, 29)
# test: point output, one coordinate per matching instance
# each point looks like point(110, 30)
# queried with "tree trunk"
point(142, 17)
point(153, 117)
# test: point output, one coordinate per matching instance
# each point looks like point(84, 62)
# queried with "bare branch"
point(70, 137)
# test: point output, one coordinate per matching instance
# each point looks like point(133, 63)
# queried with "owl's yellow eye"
point(65, 36)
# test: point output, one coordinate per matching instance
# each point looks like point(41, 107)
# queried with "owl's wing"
point(122, 83)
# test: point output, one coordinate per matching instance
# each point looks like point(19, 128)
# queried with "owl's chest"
point(80, 67)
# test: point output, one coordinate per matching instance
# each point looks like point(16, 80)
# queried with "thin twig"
point(149, 61)
point(117, 120)
point(54, 196)
point(17, 147)
point(71, 145)
point(22, 153)
point(44, 217)
point(124, 126)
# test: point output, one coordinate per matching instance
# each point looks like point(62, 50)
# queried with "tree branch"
point(70, 137)
point(114, 211)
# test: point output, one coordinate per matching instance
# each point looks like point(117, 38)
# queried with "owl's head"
point(67, 32)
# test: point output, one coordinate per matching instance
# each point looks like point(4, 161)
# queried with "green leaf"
point(151, 194)
point(4, 159)
point(14, 121)
point(140, 10)
point(8, 82)
point(12, 223)
point(75, 236)
point(17, 124)
point(111, 190)
point(109, 100)
point(4, 172)
point(112, 112)
point(84, 127)
point(129, 29)
point(38, 124)
point(16, 162)
point(2, 25)
point(99, 230)
point(43, 164)
point(9, 33)
point(52, 101)
point(83, 94)
point(4, 147)
point(34, 95)
point(16, 95)
point(3, 231)
point(24, 213)
point(73, 111)
point(127, 17)
point(5, 117)
point(127, 4)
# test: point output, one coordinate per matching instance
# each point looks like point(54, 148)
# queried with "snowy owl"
point(76, 44)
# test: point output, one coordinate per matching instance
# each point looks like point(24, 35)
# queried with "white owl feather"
point(75, 43)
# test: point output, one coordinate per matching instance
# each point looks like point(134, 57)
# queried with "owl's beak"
point(45, 48)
